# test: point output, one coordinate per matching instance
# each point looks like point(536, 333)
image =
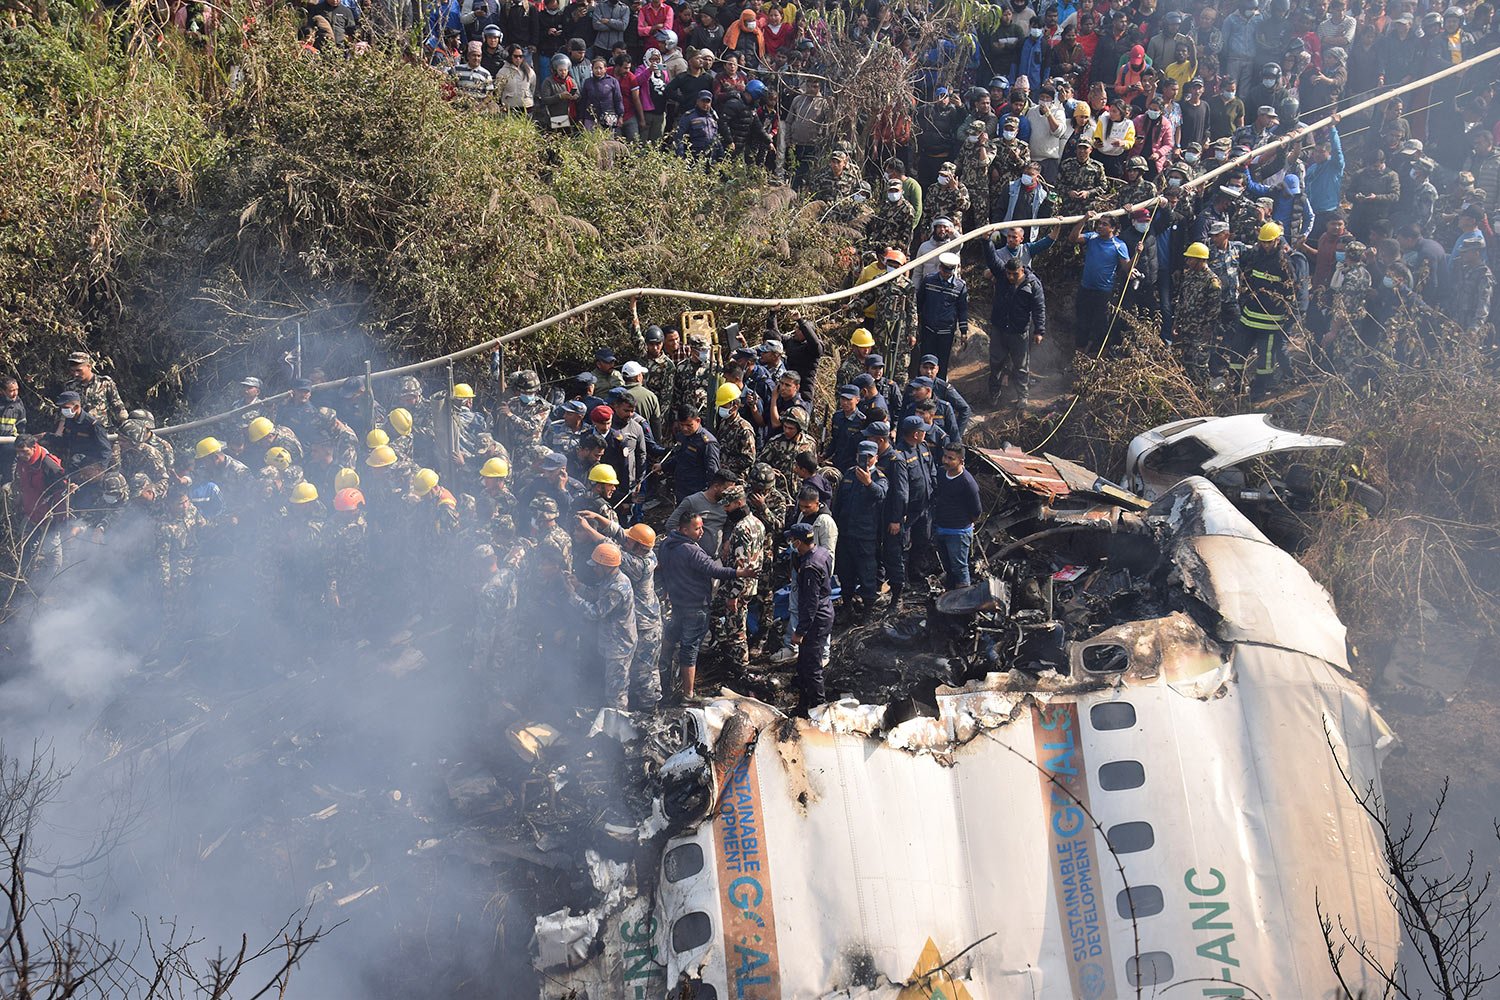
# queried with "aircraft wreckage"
point(1124, 761)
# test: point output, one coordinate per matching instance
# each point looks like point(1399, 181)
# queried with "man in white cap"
point(647, 406)
point(942, 311)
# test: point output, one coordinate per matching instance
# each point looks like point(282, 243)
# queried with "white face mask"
point(971, 138)
point(1028, 181)
point(1010, 133)
point(893, 196)
point(1190, 157)
point(1174, 182)
point(703, 356)
point(725, 411)
point(1153, 114)
point(1141, 227)
point(1388, 282)
point(1036, 32)
point(1268, 81)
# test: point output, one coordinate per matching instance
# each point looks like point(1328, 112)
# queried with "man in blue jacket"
point(1018, 319)
point(858, 508)
point(687, 578)
point(814, 568)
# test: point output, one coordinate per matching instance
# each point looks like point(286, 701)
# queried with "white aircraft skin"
point(1173, 815)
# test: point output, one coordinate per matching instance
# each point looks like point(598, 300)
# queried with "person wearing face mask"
point(695, 380)
point(1026, 198)
point(1350, 287)
point(1034, 60)
point(736, 435)
point(858, 506)
point(892, 223)
point(523, 415)
point(947, 198)
point(1011, 157)
point(603, 597)
point(79, 441)
point(1136, 187)
point(975, 155)
point(1226, 112)
point(100, 396)
point(1049, 132)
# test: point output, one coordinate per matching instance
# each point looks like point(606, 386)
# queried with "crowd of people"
point(1060, 109)
point(545, 496)
point(1372, 234)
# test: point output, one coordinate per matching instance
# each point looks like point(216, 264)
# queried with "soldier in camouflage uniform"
point(301, 573)
point(1137, 187)
point(736, 434)
point(895, 320)
point(348, 561)
point(492, 625)
point(661, 372)
point(768, 502)
point(1351, 287)
point(892, 223)
point(262, 434)
point(99, 395)
point(138, 454)
point(1080, 179)
point(177, 531)
point(1224, 261)
point(638, 563)
point(695, 381)
point(1472, 284)
point(496, 504)
point(522, 417)
point(781, 451)
point(744, 545)
point(836, 182)
point(1011, 157)
point(1199, 304)
point(545, 532)
point(975, 155)
point(861, 344)
point(608, 602)
point(603, 483)
point(946, 198)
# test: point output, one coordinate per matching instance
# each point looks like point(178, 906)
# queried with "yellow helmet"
point(259, 428)
point(400, 420)
point(208, 446)
point(862, 338)
point(346, 479)
point(495, 468)
point(381, 457)
point(279, 458)
point(1268, 232)
point(423, 481)
point(1197, 251)
point(463, 391)
point(376, 438)
point(602, 473)
point(728, 393)
point(304, 493)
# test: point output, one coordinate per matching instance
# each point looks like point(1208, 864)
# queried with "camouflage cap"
point(408, 385)
point(525, 381)
point(544, 505)
point(732, 494)
point(698, 339)
point(796, 415)
point(139, 481)
point(762, 474)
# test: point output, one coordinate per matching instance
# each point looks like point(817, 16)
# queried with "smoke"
point(247, 751)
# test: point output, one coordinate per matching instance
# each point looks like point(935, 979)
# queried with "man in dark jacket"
point(814, 568)
point(687, 578)
point(942, 311)
point(12, 425)
point(858, 509)
point(80, 441)
point(1018, 319)
point(955, 509)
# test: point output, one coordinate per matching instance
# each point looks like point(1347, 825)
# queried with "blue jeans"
point(686, 628)
point(953, 550)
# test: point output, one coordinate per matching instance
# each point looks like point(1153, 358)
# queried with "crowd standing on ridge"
point(524, 511)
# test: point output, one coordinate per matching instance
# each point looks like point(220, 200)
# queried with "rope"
point(838, 295)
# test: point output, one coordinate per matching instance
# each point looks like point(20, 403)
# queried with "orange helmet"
point(641, 534)
point(348, 499)
point(892, 254)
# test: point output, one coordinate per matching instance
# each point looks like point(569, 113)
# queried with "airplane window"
point(1146, 899)
point(1118, 775)
point(1106, 659)
point(682, 861)
point(1127, 838)
point(1112, 715)
point(1149, 969)
point(691, 931)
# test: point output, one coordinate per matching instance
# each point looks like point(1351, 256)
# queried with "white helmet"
point(667, 37)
